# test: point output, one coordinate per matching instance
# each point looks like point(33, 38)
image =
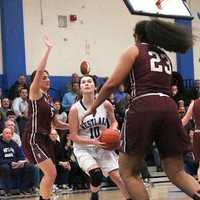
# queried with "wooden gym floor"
point(158, 191)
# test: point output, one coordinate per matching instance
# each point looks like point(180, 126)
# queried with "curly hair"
point(166, 35)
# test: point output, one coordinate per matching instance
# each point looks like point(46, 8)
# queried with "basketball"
point(85, 67)
point(111, 138)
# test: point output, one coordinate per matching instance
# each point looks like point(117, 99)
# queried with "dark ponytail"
point(166, 35)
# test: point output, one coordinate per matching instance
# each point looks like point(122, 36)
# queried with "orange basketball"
point(111, 137)
point(85, 67)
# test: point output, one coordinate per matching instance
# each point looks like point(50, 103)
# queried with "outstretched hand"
point(47, 42)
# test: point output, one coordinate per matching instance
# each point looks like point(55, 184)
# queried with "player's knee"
point(96, 176)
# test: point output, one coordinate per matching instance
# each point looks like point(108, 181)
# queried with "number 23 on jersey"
point(158, 66)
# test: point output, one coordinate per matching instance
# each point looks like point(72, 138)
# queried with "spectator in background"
point(11, 125)
point(70, 97)
point(190, 165)
point(194, 112)
point(119, 94)
point(181, 111)
point(175, 94)
point(20, 108)
point(120, 103)
point(13, 166)
point(11, 116)
point(61, 115)
point(181, 103)
point(74, 79)
point(196, 90)
point(62, 161)
point(5, 106)
point(15, 88)
point(177, 80)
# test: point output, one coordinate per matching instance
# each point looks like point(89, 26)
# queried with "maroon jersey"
point(196, 113)
point(40, 115)
point(151, 72)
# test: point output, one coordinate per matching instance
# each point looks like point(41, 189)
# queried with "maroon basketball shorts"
point(196, 145)
point(37, 147)
point(153, 118)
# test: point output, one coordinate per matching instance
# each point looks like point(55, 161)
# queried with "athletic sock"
point(94, 196)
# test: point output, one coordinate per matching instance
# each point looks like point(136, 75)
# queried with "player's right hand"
point(47, 42)
point(99, 144)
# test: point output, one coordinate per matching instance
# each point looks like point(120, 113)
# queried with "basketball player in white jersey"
point(89, 151)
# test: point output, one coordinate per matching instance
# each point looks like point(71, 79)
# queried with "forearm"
point(61, 125)
point(105, 92)
point(58, 124)
point(184, 121)
point(43, 61)
point(114, 125)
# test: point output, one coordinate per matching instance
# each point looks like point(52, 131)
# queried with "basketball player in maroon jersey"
point(37, 145)
point(152, 115)
point(194, 112)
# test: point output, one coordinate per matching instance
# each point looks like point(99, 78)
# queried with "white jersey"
point(92, 125)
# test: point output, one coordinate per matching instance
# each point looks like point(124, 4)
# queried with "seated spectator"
point(195, 92)
point(74, 79)
point(20, 108)
point(190, 165)
point(70, 97)
point(16, 172)
point(5, 106)
point(15, 88)
point(61, 115)
point(11, 125)
point(62, 161)
point(181, 103)
point(120, 108)
point(175, 93)
point(69, 174)
point(11, 116)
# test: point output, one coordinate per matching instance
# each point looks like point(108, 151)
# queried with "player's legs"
point(196, 151)
point(96, 177)
point(173, 167)
point(87, 162)
point(172, 142)
point(137, 137)
point(116, 178)
point(129, 166)
point(46, 184)
point(198, 173)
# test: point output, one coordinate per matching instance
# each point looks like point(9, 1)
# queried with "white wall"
point(102, 31)
point(195, 7)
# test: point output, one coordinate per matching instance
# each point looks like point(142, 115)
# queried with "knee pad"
point(96, 176)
